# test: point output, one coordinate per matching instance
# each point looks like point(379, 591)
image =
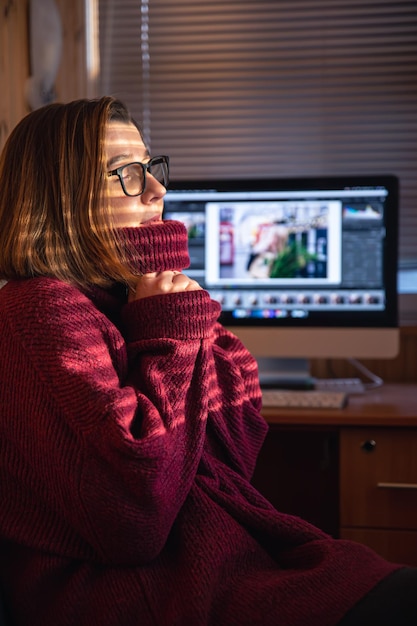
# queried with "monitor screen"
point(303, 267)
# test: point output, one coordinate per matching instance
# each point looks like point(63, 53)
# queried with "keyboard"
point(348, 385)
point(300, 399)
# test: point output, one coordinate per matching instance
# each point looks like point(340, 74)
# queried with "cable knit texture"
point(129, 434)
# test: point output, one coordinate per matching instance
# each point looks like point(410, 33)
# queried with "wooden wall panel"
point(71, 81)
point(14, 64)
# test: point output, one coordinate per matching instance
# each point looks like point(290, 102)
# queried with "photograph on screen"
point(273, 242)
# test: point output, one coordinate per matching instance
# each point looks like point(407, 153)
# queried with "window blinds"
point(272, 88)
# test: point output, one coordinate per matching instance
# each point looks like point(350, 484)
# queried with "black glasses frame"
point(146, 167)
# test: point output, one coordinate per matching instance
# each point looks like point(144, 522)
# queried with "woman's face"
point(123, 145)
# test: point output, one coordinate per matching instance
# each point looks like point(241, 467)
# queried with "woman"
point(130, 422)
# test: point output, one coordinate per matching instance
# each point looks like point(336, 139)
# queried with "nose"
point(154, 190)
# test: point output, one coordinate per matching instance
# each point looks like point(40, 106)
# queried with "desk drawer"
point(378, 478)
point(398, 546)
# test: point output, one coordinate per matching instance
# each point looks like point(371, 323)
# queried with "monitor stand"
point(287, 373)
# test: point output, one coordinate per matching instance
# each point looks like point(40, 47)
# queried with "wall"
point(14, 64)
point(72, 81)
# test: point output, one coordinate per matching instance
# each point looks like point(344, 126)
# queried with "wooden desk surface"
point(389, 405)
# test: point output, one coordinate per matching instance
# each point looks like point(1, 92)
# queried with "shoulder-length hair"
point(54, 217)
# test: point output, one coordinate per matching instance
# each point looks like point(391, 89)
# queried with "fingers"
point(181, 282)
point(158, 283)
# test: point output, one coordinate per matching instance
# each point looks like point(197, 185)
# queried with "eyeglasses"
point(132, 176)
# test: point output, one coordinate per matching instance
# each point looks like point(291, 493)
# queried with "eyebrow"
point(123, 157)
point(117, 159)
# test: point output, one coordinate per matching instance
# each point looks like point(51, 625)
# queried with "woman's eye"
point(128, 173)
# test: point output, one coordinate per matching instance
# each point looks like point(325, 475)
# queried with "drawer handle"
point(397, 485)
point(369, 445)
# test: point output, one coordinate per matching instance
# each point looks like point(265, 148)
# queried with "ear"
point(45, 32)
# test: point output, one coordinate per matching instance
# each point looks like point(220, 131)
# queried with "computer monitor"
point(304, 268)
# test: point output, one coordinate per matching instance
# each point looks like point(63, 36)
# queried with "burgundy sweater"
point(128, 437)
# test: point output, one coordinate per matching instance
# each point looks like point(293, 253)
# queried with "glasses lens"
point(159, 168)
point(133, 179)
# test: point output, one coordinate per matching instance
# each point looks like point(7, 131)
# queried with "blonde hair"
point(54, 219)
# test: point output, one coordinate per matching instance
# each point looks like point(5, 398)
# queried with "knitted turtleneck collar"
point(154, 248)
point(157, 247)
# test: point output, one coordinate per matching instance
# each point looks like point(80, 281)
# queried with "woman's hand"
point(158, 283)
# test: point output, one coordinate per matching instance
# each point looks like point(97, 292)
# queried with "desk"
point(351, 471)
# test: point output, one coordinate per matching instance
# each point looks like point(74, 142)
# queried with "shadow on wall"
point(45, 45)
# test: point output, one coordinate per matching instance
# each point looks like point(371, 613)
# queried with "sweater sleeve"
point(235, 430)
point(125, 441)
point(232, 396)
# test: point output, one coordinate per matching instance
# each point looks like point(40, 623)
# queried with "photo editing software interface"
point(293, 252)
